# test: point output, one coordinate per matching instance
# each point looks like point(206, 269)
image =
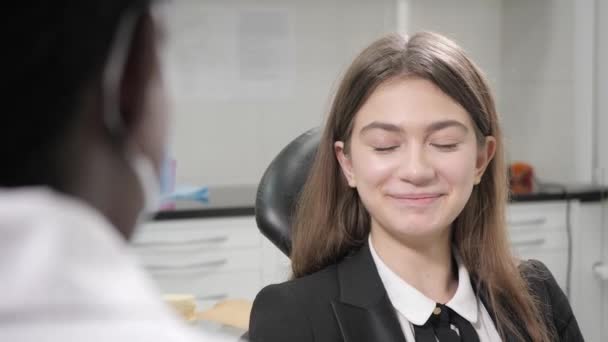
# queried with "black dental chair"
point(280, 187)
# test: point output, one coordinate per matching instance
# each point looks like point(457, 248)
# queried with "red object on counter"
point(521, 178)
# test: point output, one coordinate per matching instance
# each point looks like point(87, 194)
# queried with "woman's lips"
point(416, 200)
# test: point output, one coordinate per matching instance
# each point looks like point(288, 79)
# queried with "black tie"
point(437, 327)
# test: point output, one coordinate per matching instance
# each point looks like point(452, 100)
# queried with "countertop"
point(239, 200)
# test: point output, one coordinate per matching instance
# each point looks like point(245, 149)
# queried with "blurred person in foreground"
point(85, 124)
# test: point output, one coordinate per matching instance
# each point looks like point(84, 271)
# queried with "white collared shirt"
point(66, 275)
point(413, 307)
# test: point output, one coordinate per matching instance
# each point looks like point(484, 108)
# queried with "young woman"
point(400, 232)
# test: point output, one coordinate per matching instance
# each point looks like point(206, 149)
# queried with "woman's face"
point(413, 158)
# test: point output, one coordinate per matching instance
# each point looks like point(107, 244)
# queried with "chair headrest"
point(280, 188)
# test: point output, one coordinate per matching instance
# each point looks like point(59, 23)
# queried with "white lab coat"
point(67, 275)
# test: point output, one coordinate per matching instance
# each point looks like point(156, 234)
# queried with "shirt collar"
point(414, 305)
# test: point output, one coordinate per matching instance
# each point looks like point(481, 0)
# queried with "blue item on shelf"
point(199, 194)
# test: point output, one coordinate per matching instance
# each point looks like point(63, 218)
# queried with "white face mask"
point(149, 182)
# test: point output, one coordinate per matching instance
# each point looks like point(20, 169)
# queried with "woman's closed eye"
point(447, 147)
point(385, 148)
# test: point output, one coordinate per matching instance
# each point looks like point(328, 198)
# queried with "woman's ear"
point(484, 157)
point(345, 163)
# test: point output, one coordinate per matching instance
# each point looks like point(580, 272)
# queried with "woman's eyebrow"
point(439, 125)
point(383, 126)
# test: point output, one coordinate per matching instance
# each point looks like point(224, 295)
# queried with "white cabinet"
point(604, 288)
point(212, 258)
point(539, 230)
point(277, 266)
point(589, 296)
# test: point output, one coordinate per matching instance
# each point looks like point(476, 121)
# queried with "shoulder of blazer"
point(286, 311)
point(321, 284)
point(554, 304)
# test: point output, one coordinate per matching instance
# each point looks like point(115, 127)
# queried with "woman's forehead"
point(410, 103)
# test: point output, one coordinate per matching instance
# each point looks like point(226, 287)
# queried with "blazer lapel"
point(364, 311)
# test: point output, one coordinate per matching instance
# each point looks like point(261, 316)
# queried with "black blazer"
point(347, 302)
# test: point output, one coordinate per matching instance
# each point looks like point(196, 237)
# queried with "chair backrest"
point(280, 188)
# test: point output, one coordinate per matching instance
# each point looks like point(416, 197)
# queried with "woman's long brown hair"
point(331, 221)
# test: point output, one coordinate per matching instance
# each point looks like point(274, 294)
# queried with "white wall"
point(601, 94)
point(474, 24)
point(536, 98)
point(224, 134)
point(527, 51)
point(228, 127)
point(227, 130)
